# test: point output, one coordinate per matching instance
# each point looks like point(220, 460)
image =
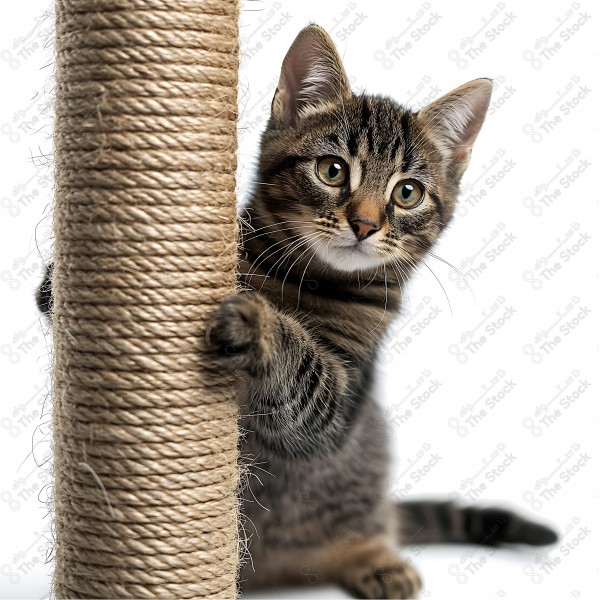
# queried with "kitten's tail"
point(446, 523)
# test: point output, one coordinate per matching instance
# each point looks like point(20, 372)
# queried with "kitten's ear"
point(454, 120)
point(312, 73)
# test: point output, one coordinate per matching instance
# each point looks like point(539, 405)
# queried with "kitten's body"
point(305, 333)
point(322, 269)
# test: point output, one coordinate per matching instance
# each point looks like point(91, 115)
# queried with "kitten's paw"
point(242, 329)
point(369, 569)
point(390, 579)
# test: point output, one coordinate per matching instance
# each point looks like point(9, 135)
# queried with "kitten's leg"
point(365, 568)
point(295, 386)
point(368, 568)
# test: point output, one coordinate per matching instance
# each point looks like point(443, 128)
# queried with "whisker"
point(253, 269)
point(318, 241)
point(277, 223)
point(248, 239)
point(443, 288)
point(288, 252)
point(384, 305)
point(455, 269)
point(295, 262)
point(285, 253)
point(370, 281)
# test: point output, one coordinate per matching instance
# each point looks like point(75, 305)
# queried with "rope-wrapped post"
point(145, 422)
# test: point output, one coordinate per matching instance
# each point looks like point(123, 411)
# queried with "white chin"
point(348, 258)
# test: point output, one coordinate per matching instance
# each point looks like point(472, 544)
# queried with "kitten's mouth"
point(350, 257)
point(357, 246)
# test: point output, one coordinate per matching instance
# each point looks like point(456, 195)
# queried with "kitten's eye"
point(407, 193)
point(332, 170)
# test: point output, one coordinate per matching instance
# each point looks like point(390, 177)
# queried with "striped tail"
point(446, 523)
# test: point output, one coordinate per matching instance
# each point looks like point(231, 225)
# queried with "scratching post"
point(145, 422)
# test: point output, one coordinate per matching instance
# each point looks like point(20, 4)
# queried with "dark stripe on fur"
point(438, 205)
point(365, 113)
point(352, 143)
point(445, 522)
point(289, 162)
point(370, 143)
point(395, 148)
point(407, 157)
point(334, 139)
point(306, 395)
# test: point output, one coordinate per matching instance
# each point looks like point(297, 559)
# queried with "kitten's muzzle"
point(363, 229)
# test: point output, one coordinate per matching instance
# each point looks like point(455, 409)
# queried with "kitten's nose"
point(363, 229)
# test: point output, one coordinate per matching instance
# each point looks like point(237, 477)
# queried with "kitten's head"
point(360, 178)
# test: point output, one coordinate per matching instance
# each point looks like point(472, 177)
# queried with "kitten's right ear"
point(312, 74)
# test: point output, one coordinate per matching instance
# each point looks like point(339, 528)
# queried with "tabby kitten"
point(352, 191)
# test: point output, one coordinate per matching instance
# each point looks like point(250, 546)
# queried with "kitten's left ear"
point(454, 120)
point(312, 74)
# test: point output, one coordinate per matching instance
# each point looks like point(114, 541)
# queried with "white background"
point(523, 247)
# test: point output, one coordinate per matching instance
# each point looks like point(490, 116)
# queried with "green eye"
point(332, 170)
point(407, 193)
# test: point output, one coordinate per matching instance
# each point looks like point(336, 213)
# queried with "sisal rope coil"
point(145, 421)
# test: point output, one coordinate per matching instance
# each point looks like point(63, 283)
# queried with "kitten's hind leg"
point(369, 568)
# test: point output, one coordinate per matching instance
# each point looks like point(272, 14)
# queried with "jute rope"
point(145, 422)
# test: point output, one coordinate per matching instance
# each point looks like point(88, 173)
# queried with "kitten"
point(352, 192)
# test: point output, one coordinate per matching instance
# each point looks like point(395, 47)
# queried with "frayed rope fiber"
point(144, 420)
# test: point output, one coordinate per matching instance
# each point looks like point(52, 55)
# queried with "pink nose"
point(363, 229)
